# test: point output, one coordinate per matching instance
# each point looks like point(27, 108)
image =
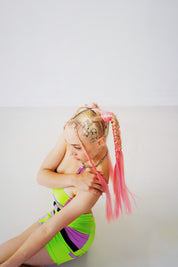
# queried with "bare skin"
point(69, 164)
point(8, 248)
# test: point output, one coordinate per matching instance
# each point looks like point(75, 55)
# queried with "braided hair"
point(94, 123)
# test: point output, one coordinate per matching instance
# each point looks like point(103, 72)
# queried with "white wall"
point(146, 238)
point(63, 53)
point(58, 55)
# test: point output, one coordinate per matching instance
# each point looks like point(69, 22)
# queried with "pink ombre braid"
point(117, 174)
point(119, 186)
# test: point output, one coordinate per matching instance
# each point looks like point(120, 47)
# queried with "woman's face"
point(76, 150)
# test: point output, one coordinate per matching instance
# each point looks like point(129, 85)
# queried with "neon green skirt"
point(81, 231)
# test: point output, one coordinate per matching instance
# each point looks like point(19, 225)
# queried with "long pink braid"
point(120, 188)
point(117, 175)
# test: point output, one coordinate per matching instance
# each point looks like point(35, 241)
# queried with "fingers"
point(96, 192)
point(96, 184)
point(98, 187)
point(93, 182)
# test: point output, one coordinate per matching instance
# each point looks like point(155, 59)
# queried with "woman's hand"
point(87, 180)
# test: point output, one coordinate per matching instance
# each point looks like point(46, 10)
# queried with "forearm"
point(52, 179)
point(9, 247)
point(39, 238)
point(80, 204)
point(31, 246)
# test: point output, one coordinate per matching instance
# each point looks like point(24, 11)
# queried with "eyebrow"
point(73, 144)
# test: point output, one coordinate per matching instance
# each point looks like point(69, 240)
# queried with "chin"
point(77, 158)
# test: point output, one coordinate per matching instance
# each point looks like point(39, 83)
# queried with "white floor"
point(148, 237)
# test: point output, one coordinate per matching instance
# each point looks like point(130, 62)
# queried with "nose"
point(73, 152)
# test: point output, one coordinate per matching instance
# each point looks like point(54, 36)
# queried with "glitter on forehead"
point(71, 136)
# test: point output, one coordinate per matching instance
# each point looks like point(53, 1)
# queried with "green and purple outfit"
point(73, 240)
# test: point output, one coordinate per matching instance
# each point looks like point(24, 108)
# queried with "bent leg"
point(8, 248)
point(42, 257)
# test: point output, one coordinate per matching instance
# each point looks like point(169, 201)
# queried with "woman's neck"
point(98, 157)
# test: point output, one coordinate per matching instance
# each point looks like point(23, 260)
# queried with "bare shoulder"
point(55, 155)
point(103, 168)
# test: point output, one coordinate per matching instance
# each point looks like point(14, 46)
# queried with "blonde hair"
point(91, 123)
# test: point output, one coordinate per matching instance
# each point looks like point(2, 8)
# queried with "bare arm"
point(49, 178)
point(86, 181)
point(38, 239)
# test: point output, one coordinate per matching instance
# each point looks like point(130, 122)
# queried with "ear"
point(101, 141)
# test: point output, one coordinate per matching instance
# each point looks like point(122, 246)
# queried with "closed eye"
point(77, 148)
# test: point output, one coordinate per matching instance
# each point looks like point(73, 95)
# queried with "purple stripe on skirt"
point(72, 255)
point(78, 238)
